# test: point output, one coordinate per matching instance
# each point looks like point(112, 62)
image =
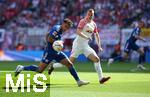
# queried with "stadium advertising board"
point(2, 33)
point(110, 36)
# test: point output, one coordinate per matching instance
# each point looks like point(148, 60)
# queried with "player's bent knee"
point(69, 65)
point(141, 51)
point(96, 59)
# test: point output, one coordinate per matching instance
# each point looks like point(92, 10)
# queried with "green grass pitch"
point(123, 82)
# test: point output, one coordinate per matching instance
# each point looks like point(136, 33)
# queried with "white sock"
point(58, 65)
point(98, 69)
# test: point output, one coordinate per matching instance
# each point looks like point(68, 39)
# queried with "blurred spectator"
point(20, 47)
point(117, 51)
point(43, 14)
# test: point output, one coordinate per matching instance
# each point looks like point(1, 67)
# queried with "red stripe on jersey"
point(95, 29)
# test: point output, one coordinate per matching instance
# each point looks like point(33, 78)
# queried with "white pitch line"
point(7, 71)
point(13, 71)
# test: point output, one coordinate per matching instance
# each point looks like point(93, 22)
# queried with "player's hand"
point(144, 40)
point(89, 38)
point(100, 49)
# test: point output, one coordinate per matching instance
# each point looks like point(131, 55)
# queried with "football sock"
point(118, 58)
point(73, 73)
point(31, 68)
point(98, 69)
point(141, 59)
point(57, 65)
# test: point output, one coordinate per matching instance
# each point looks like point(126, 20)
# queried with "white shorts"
point(82, 49)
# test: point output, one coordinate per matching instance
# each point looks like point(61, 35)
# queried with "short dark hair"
point(68, 21)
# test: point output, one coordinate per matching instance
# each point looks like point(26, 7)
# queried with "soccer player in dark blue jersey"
point(131, 45)
point(50, 54)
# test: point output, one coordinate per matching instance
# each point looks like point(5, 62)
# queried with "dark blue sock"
point(74, 73)
point(141, 59)
point(118, 58)
point(31, 68)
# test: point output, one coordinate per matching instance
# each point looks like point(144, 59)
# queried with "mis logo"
point(21, 82)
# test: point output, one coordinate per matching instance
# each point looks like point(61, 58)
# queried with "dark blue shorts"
point(48, 57)
point(130, 46)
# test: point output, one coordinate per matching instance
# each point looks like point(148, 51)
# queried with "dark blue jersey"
point(49, 53)
point(136, 32)
point(56, 34)
point(131, 42)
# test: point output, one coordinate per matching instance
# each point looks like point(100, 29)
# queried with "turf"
point(120, 85)
point(123, 83)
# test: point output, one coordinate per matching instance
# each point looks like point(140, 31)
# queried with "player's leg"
point(141, 57)
point(46, 59)
point(35, 68)
point(127, 49)
point(74, 54)
point(120, 57)
point(58, 65)
point(51, 68)
point(63, 59)
point(54, 65)
point(70, 67)
point(91, 54)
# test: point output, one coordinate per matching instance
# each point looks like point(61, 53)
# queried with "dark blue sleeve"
point(53, 32)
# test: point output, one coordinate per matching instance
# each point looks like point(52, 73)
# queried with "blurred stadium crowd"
point(18, 16)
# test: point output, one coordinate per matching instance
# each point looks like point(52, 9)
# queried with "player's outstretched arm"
point(46, 36)
point(79, 32)
point(49, 38)
point(140, 38)
point(98, 41)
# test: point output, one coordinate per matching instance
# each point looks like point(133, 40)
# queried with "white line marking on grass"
point(13, 71)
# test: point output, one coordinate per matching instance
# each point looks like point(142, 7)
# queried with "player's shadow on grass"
point(31, 86)
point(62, 85)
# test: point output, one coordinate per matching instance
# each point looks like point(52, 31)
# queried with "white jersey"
point(80, 45)
point(88, 28)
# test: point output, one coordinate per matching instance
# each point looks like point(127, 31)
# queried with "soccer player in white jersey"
point(85, 29)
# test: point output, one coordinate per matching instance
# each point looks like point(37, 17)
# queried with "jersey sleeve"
point(53, 32)
point(81, 24)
